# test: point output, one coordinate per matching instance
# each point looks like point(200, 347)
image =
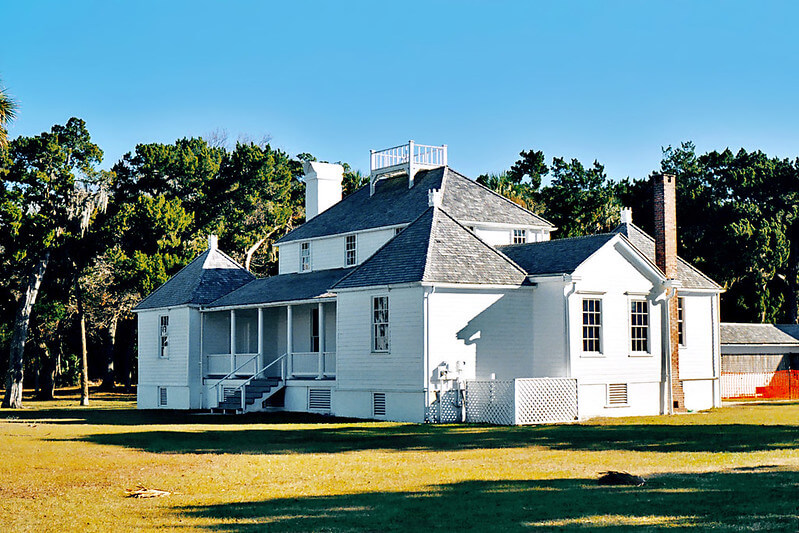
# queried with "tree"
point(8, 112)
point(53, 190)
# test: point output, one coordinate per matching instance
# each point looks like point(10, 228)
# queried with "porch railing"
point(319, 365)
point(223, 363)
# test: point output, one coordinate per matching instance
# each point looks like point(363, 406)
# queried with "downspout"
point(715, 308)
point(202, 381)
point(567, 321)
point(665, 340)
point(426, 377)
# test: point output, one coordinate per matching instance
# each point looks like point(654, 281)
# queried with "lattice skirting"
point(446, 409)
point(522, 401)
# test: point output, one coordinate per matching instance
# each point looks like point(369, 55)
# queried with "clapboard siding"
point(610, 277)
point(696, 356)
point(288, 259)
point(329, 252)
point(549, 329)
point(173, 371)
point(357, 367)
point(491, 330)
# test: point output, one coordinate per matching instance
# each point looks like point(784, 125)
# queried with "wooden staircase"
point(255, 393)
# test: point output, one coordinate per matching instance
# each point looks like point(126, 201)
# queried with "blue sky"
point(613, 81)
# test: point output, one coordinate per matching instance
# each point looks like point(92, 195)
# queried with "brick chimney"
point(665, 200)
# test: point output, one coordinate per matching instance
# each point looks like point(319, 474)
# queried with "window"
point(519, 236)
point(164, 336)
point(397, 231)
point(681, 320)
point(351, 250)
point(305, 257)
point(162, 399)
point(592, 324)
point(639, 326)
point(380, 324)
point(379, 404)
point(617, 394)
point(315, 330)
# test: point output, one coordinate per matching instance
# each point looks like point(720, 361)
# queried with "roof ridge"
point(683, 261)
point(176, 274)
point(484, 243)
point(578, 237)
point(392, 239)
point(508, 200)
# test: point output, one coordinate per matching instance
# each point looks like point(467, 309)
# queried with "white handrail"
point(411, 153)
point(241, 387)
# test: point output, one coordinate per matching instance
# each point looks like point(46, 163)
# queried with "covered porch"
point(290, 341)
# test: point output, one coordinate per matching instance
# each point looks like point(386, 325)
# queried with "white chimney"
point(322, 186)
point(626, 215)
point(213, 243)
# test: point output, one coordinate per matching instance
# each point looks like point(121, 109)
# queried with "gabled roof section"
point(205, 279)
point(435, 248)
point(689, 276)
point(770, 334)
point(283, 288)
point(393, 203)
point(560, 256)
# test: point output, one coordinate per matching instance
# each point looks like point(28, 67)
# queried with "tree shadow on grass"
point(115, 416)
point(761, 499)
point(326, 438)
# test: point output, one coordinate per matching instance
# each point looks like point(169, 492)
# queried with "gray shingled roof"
point(283, 288)
point(734, 333)
point(435, 248)
point(203, 280)
point(559, 256)
point(394, 204)
point(690, 277)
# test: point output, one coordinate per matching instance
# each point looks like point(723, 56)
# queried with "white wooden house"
point(427, 297)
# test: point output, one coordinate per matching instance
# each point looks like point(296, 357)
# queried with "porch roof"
point(283, 288)
point(768, 334)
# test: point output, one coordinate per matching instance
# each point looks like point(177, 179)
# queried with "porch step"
point(256, 390)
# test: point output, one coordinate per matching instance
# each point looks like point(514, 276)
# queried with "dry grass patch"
point(67, 468)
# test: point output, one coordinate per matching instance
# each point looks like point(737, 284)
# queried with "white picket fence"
point(522, 401)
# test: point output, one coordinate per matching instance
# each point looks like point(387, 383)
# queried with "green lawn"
point(66, 468)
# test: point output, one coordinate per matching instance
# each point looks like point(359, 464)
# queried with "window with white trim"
point(592, 325)
point(351, 250)
point(519, 236)
point(397, 231)
point(617, 394)
point(639, 325)
point(163, 350)
point(681, 320)
point(380, 324)
point(305, 257)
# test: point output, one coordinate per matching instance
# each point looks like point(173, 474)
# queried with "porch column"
point(321, 315)
point(259, 361)
point(232, 340)
point(289, 343)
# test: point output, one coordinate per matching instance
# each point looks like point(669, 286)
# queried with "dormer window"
point(519, 236)
point(351, 250)
point(305, 257)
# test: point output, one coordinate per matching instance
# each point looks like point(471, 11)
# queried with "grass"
point(66, 468)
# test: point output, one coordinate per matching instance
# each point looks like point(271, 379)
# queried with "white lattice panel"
point(541, 400)
point(490, 402)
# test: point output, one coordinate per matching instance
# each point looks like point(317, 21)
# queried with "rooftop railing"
point(418, 155)
point(406, 158)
